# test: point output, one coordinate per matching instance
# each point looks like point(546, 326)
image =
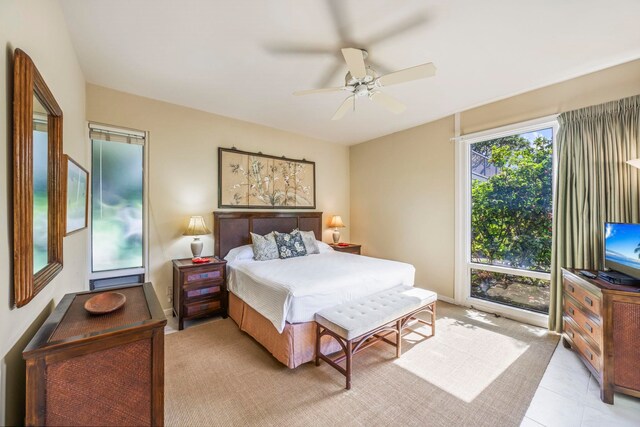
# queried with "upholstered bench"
point(363, 322)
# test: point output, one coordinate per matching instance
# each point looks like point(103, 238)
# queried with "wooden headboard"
point(231, 229)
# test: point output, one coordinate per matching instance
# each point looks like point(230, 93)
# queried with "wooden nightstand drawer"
point(588, 326)
point(202, 291)
point(588, 300)
point(200, 275)
point(201, 307)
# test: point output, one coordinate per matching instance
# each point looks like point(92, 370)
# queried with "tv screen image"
point(622, 248)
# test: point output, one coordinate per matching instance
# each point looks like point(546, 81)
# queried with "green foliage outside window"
point(512, 210)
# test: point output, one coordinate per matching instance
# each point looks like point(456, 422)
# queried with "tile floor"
point(569, 396)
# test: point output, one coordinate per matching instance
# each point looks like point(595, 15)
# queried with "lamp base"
point(336, 236)
point(196, 247)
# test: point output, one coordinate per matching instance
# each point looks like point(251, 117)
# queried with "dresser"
point(349, 248)
point(199, 290)
point(83, 369)
point(602, 324)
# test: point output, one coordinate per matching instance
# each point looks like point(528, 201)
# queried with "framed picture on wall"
point(259, 181)
point(76, 195)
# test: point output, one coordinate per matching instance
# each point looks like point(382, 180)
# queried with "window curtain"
point(594, 185)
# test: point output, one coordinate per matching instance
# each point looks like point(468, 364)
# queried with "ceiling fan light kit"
point(362, 80)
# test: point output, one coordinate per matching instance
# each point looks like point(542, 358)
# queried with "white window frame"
point(463, 264)
point(145, 208)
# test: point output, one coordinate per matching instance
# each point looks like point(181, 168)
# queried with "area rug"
point(478, 370)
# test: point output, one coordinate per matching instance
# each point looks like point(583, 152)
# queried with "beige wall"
point(38, 28)
point(183, 175)
point(401, 199)
point(402, 185)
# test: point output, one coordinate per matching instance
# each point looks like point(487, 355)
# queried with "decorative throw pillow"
point(290, 245)
point(264, 247)
point(309, 240)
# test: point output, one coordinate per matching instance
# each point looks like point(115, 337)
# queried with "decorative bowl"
point(105, 302)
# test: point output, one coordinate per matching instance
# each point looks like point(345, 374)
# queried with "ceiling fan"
point(362, 81)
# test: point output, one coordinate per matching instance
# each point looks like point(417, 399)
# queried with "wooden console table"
point(602, 324)
point(98, 370)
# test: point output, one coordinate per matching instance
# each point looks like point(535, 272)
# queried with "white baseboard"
point(446, 299)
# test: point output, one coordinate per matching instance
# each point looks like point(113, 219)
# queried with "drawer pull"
point(571, 288)
point(589, 328)
point(571, 311)
point(588, 301)
point(589, 354)
point(570, 333)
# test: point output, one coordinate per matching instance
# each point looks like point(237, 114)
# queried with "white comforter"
point(295, 289)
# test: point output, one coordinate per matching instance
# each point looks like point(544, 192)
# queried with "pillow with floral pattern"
point(264, 247)
point(290, 245)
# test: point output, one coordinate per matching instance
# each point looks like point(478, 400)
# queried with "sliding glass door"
point(508, 212)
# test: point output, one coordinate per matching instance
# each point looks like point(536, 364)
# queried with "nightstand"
point(350, 248)
point(199, 290)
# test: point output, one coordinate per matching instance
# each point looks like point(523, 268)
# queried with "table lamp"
point(336, 222)
point(196, 228)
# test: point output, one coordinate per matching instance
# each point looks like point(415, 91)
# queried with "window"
point(118, 248)
point(507, 203)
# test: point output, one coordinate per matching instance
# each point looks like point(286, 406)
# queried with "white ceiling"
point(231, 57)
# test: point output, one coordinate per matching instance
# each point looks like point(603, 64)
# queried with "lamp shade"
point(196, 227)
point(634, 162)
point(336, 222)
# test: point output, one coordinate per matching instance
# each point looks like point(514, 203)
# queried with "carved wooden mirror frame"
point(29, 83)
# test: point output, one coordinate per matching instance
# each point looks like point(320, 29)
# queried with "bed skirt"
point(293, 347)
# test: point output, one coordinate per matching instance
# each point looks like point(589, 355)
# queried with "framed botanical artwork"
point(259, 181)
point(76, 195)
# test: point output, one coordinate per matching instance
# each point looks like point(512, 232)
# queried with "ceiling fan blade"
point(299, 50)
point(408, 74)
point(344, 107)
point(388, 102)
point(324, 90)
point(397, 30)
point(355, 62)
point(338, 13)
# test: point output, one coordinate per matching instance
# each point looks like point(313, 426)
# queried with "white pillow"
point(323, 247)
point(240, 253)
point(309, 240)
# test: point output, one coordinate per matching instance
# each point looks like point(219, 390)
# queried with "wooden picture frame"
point(249, 180)
point(31, 91)
point(76, 196)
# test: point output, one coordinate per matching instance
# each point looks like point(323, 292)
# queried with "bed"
point(275, 301)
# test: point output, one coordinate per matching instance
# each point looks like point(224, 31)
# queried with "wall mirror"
point(38, 210)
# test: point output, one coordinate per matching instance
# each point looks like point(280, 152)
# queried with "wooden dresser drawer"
point(201, 307)
point(589, 327)
point(583, 347)
point(588, 300)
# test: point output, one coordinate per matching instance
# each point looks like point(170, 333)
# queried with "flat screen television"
point(622, 248)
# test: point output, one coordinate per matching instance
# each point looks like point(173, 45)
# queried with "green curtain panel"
point(594, 185)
